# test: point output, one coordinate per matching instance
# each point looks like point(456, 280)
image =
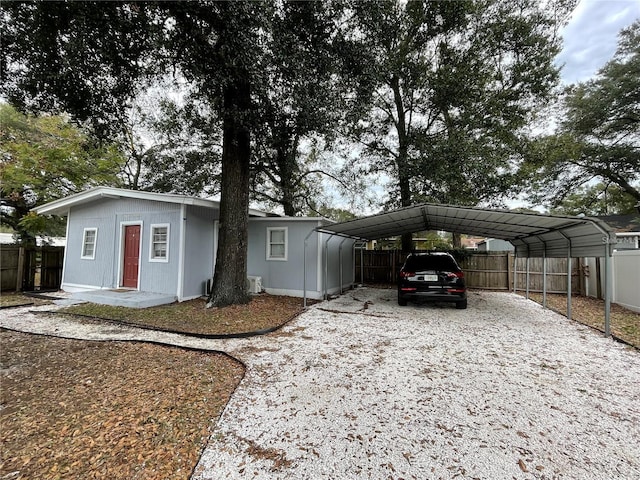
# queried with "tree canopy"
point(453, 85)
point(43, 159)
point(598, 138)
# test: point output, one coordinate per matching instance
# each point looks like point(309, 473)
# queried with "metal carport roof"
point(532, 234)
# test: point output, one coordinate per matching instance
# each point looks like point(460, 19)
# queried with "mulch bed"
point(107, 410)
point(264, 312)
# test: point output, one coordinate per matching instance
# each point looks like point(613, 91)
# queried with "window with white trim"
point(159, 248)
point(277, 243)
point(89, 238)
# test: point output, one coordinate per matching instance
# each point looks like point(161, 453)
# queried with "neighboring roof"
point(622, 223)
point(532, 234)
point(61, 206)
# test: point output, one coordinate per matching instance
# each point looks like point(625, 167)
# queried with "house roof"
point(62, 206)
point(532, 234)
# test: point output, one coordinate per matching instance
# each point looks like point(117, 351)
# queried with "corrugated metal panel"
point(532, 234)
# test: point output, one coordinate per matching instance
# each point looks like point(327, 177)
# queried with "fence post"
point(20, 275)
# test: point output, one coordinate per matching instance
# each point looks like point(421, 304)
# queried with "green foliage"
point(599, 199)
point(599, 137)
point(454, 84)
point(85, 58)
point(336, 214)
point(45, 158)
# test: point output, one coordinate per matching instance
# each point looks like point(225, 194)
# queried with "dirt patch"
point(10, 300)
point(264, 312)
point(625, 324)
point(79, 409)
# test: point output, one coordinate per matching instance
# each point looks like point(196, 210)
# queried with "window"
point(277, 243)
point(159, 248)
point(89, 237)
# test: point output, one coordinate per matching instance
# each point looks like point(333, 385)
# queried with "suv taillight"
point(407, 274)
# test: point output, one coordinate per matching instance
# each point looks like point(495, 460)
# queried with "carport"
point(532, 235)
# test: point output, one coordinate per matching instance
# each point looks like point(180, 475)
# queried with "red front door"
point(131, 256)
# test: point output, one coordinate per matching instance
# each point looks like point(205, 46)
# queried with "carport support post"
point(326, 267)
point(569, 281)
point(362, 263)
point(527, 288)
point(544, 278)
point(607, 291)
point(340, 260)
point(515, 272)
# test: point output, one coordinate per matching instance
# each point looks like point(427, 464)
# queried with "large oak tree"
point(598, 138)
point(92, 58)
point(454, 84)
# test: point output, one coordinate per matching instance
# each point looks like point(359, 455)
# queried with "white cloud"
point(591, 36)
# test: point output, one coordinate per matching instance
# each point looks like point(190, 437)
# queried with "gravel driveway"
point(362, 388)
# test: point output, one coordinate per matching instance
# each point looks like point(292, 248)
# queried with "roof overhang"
point(532, 234)
point(61, 207)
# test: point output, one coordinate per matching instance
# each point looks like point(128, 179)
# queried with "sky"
point(591, 36)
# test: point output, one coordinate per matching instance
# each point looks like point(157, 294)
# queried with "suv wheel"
point(462, 304)
point(402, 301)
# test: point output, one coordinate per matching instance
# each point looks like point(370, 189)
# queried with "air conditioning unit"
point(208, 286)
point(254, 284)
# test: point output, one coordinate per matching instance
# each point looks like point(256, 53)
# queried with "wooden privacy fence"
point(30, 268)
point(491, 271)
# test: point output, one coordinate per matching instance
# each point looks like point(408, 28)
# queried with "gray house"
point(167, 244)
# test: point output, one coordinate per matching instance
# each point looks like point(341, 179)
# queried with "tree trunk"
point(230, 279)
point(402, 160)
point(456, 240)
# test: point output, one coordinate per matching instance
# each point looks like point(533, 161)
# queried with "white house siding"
point(199, 254)
point(108, 215)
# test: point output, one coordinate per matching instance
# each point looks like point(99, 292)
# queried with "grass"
point(264, 312)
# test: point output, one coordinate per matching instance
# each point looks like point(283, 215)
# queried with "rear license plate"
point(430, 278)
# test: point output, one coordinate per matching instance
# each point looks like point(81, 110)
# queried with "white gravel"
point(361, 388)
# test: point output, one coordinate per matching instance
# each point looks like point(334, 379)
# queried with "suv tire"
point(462, 304)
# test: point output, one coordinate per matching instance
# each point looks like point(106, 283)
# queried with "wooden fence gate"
point(30, 268)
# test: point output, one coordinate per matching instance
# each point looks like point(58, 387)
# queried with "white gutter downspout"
point(66, 250)
point(183, 234)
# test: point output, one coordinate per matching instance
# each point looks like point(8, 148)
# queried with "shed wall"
point(338, 257)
